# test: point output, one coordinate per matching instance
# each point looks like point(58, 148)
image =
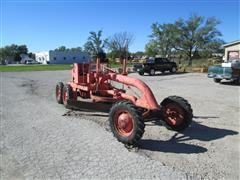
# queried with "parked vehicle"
point(153, 65)
point(31, 62)
point(226, 71)
point(137, 67)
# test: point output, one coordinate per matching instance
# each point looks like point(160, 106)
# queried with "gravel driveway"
point(41, 139)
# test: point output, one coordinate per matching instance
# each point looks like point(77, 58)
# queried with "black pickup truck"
point(157, 64)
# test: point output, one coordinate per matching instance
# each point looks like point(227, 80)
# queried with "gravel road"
point(41, 139)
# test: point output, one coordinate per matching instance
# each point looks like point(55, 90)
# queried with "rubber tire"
point(152, 72)
point(237, 81)
point(59, 98)
point(216, 80)
point(173, 70)
point(141, 73)
point(138, 129)
point(67, 88)
point(188, 112)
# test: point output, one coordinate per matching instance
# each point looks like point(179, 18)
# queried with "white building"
point(62, 57)
point(42, 57)
point(232, 51)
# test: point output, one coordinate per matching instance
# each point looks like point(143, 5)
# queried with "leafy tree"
point(188, 37)
point(13, 52)
point(32, 55)
point(22, 49)
point(138, 53)
point(162, 38)
point(119, 44)
point(76, 49)
point(95, 45)
point(196, 35)
point(151, 48)
point(111, 55)
point(61, 48)
point(2, 55)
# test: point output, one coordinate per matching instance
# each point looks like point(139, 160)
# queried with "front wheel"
point(126, 122)
point(176, 112)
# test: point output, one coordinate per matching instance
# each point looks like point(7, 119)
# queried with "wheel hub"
point(124, 123)
point(65, 96)
point(174, 114)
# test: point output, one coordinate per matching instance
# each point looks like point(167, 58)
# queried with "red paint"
point(173, 114)
point(123, 123)
point(88, 80)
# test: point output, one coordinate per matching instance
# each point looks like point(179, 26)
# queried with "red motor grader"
point(128, 111)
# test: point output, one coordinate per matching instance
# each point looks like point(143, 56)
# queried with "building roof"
point(232, 43)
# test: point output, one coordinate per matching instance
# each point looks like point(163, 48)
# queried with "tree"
point(119, 44)
point(196, 35)
point(138, 53)
point(187, 37)
point(162, 39)
point(76, 49)
point(2, 56)
point(32, 55)
point(112, 55)
point(13, 52)
point(22, 49)
point(61, 48)
point(95, 45)
point(151, 48)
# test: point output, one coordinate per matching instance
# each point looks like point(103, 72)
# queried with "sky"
point(47, 24)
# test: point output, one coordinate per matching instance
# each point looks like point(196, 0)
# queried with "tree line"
point(14, 51)
point(189, 38)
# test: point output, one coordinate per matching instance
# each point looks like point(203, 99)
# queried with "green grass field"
point(17, 68)
point(41, 67)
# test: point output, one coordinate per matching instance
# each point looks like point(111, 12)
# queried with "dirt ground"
point(41, 139)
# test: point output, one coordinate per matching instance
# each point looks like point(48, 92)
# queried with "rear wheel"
point(237, 81)
point(173, 70)
point(59, 92)
point(176, 112)
point(152, 72)
point(141, 73)
point(126, 122)
point(67, 95)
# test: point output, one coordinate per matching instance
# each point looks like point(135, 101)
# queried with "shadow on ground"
point(176, 144)
point(170, 146)
point(229, 83)
point(166, 74)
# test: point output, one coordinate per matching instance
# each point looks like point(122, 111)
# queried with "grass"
point(203, 63)
point(48, 67)
point(117, 65)
point(41, 67)
point(196, 63)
